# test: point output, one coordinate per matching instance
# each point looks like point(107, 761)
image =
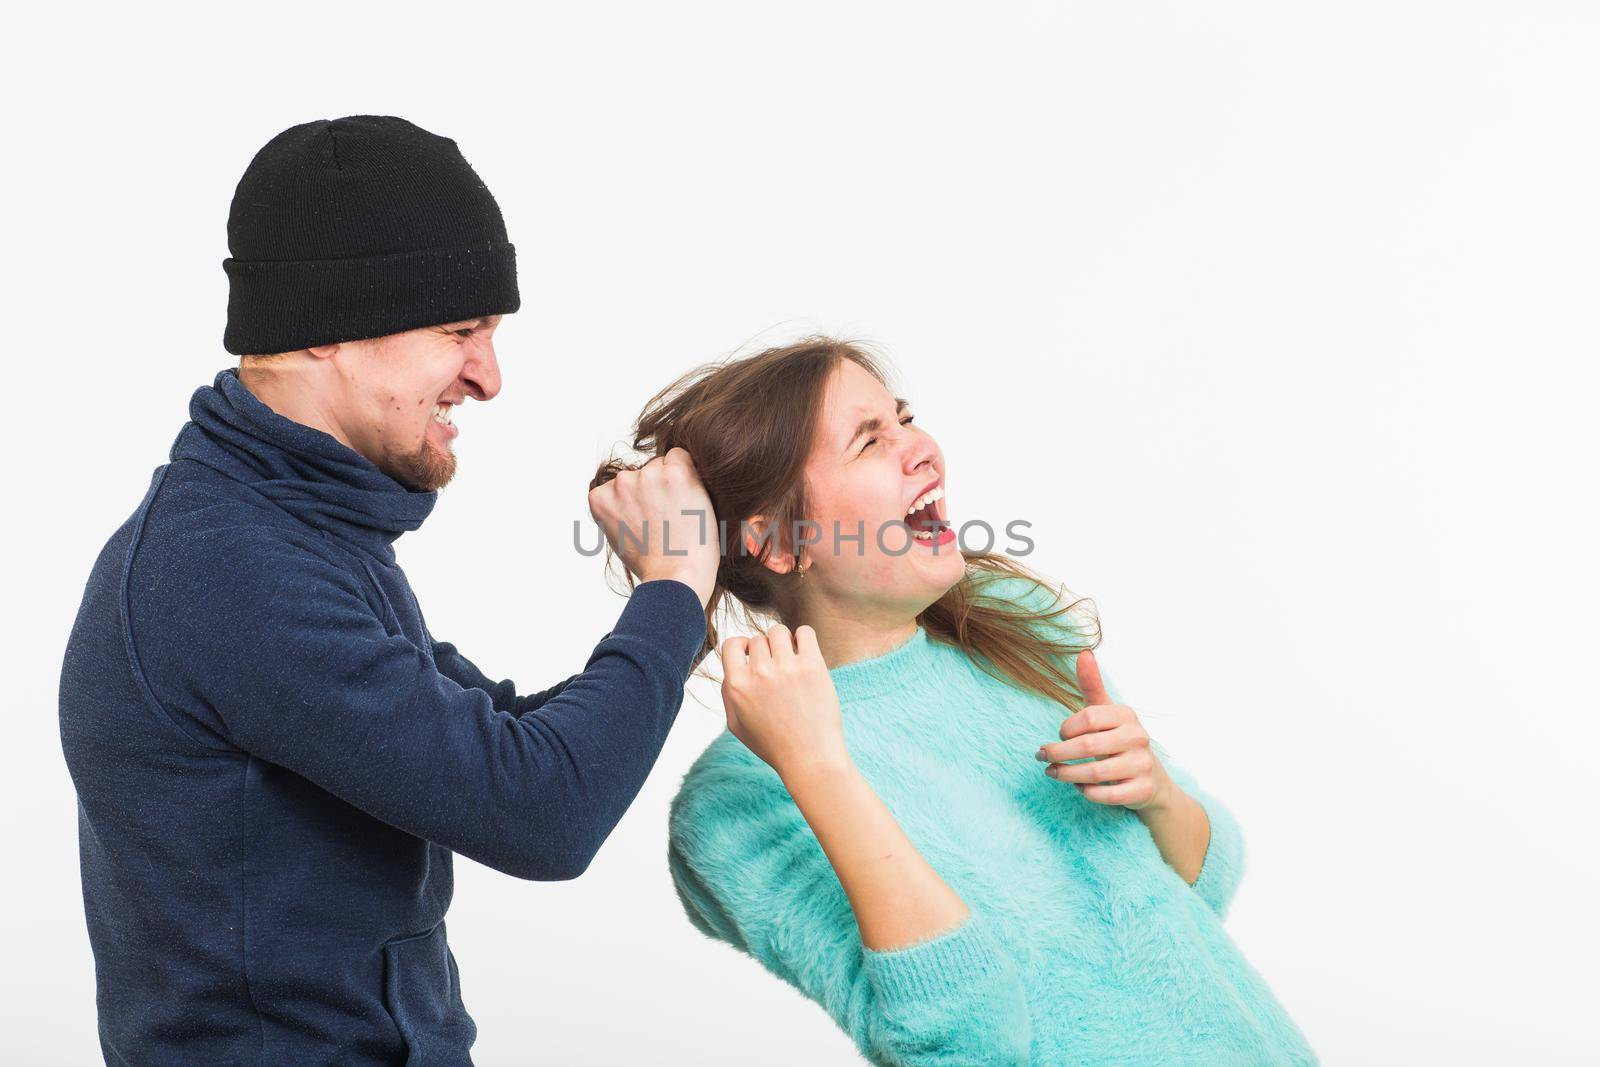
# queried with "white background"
point(1278, 322)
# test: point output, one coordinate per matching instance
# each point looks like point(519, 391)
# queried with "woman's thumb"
point(1089, 683)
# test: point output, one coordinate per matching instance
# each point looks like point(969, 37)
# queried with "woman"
point(928, 813)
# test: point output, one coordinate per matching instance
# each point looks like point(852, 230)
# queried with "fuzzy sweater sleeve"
point(1223, 866)
point(749, 871)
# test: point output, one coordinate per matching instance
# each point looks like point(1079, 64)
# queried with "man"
point(274, 758)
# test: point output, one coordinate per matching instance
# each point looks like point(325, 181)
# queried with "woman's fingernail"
point(1053, 771)
point(1039, 755)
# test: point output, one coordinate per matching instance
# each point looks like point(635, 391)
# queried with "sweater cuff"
point(938, 970)
point(1223, 866)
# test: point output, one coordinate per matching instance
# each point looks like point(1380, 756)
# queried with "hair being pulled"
point(749, 423)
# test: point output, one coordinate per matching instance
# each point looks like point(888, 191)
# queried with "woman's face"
point(868, 469)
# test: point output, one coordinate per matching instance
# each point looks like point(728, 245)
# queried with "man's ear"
point(756, 531)
point(323, 351)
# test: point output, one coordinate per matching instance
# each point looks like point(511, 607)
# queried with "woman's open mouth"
point(927, 520)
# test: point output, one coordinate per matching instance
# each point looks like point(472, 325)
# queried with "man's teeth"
point(936, 493)
point(441, 414)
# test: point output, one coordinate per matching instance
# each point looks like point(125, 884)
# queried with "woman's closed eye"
point(904, 420)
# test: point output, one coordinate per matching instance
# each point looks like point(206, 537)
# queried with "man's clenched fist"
point(659, 521)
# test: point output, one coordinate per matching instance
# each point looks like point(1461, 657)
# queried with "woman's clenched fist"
point(781, 702)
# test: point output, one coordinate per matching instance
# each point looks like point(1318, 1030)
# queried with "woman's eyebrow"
point(874, 424)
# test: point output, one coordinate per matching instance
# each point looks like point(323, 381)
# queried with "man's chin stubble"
point(425, 470)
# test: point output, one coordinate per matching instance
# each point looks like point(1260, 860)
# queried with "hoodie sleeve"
point(281, 653)
point(459, 669)
point(749, 871)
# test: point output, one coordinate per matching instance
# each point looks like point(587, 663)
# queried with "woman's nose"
point(920, 452)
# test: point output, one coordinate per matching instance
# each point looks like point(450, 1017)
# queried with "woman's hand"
point(781, 702)
point(1124, 772)
point(782, 705)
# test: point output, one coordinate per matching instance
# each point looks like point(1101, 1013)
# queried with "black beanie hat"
point(358, 227)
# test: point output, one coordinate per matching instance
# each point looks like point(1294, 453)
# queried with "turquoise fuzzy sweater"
point(1083, 946)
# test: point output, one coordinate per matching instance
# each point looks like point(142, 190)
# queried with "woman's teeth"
point(441, 414)
point(932, 525)
point(936, 493)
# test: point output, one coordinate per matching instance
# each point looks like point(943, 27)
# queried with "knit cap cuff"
point(286, 305)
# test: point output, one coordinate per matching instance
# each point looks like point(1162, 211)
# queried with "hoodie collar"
point(303, 470)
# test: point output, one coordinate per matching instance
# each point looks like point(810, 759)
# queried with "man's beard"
point(427, 469)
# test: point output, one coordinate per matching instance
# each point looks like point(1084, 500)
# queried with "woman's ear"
point(756, 532)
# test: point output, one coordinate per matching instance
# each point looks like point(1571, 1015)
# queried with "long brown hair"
point(749, 425)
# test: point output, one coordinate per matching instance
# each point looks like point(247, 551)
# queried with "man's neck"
point(279, 389)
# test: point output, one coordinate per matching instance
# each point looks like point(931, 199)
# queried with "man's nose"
point(482, 371)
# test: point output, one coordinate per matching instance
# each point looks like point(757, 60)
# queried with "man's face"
point(401, 391)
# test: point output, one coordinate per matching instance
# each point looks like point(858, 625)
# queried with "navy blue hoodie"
point(275, 760)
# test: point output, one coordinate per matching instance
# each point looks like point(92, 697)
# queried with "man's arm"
point(280, 652)
point(459, 669)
